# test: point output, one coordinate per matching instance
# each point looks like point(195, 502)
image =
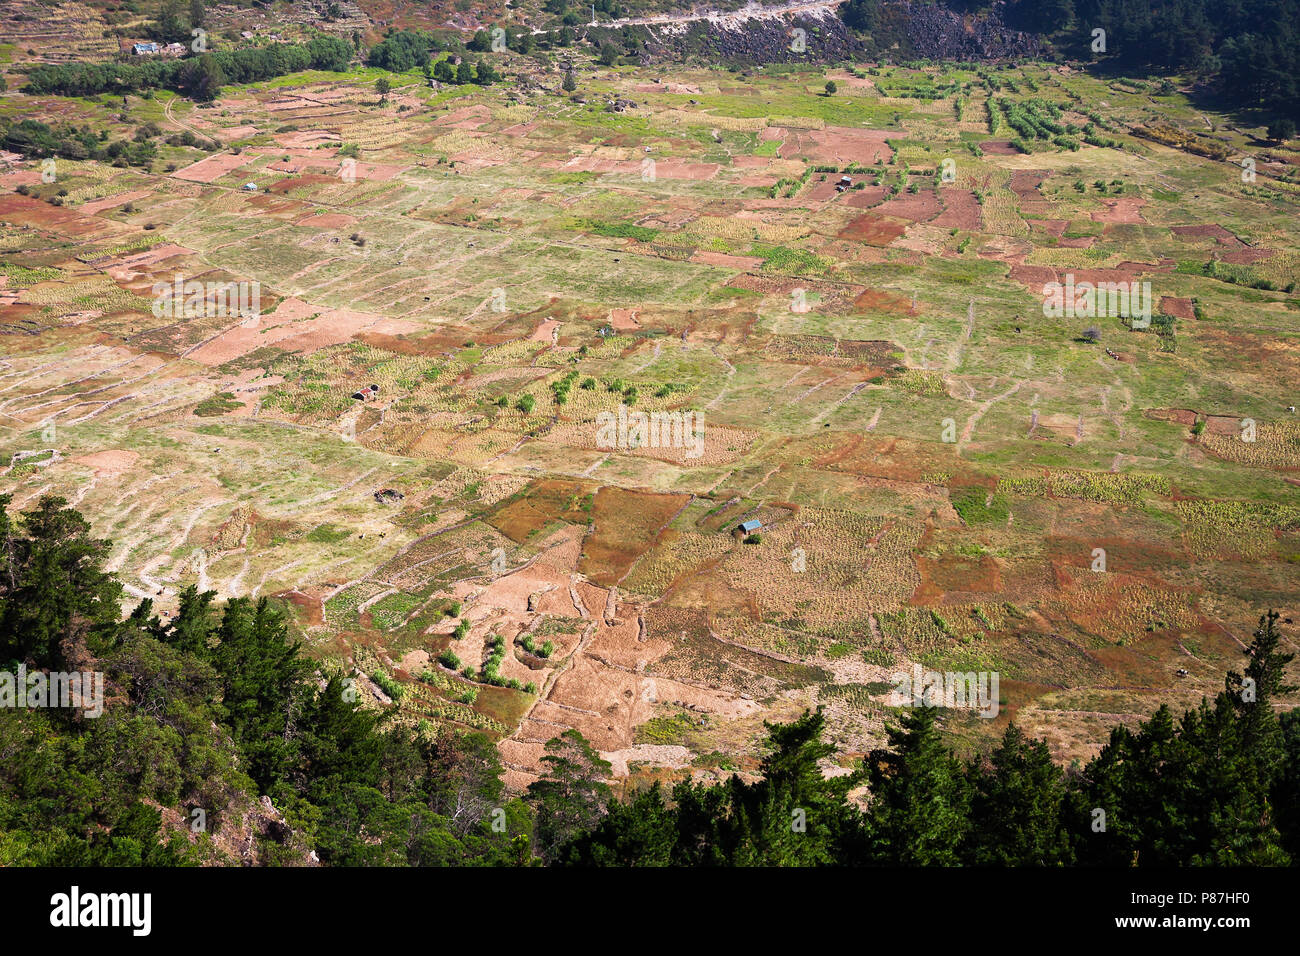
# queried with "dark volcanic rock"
point(910, 30)
point(937, 33)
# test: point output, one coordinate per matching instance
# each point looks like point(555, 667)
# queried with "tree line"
point(216, 706)
point(200, 77)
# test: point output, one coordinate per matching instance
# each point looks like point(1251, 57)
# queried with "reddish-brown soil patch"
point(873, 229)
point(681, 89)
point(1180, 416)
point(1178, 308)
point(1223, 424)
point(311, 179)
point(1035, 277)
point(820, 188)
point(960, 210)
point(999, 147)
point(1056, 229)
point(679, 169)
point(1246, 256)
point(955, 573)
point(744, 263)
point(306, 138)
point(26, 211)
point(623, 319)
point(834, 145)
point(876, 300)
point(229, 134)
point(544, 501)
point(291, 328)
point(625, 525)
point(1213, 230)
point(212, 168)
point(1025, 183)
point(309, 605)
point(328, 220)
point(1126, 209)
point(96, 206)
point(467, 117)
point(866, 197)
point(545, 331)
point(108, 462)
point(141, 263)
point(921, 207)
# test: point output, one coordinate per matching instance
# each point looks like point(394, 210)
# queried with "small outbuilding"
point(749, 527)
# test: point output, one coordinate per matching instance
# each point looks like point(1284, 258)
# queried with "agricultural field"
point(420, 430)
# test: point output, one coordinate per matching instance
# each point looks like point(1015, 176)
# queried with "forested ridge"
point(218, 706)
point(1250, 49)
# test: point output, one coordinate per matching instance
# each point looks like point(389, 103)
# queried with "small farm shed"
point(748, 527)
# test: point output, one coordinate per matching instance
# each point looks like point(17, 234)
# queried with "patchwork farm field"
point(457, 287)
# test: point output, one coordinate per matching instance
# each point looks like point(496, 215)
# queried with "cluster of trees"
point(572, 13)
point(35, 140)
point(205, 712)
point(1251, 46)
point(404, 50)
point(480, 72)
point(216, 706)
point(177, 19)
point(200, 77)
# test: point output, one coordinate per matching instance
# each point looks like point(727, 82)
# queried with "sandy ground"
point(294, 326)
point(107, 463)
point(212, 168)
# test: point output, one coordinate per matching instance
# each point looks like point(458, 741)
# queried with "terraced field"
point(943, 473)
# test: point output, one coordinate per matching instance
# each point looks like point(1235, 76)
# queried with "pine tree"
point(571, 796)
point(918, 815)
point(794, 815)
point(194, 627)
point(1016, 806)
point(54, 597)
point(262, 687)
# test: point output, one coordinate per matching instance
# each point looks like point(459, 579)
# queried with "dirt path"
point(830, 408)
point(171, 118)
point(980, 413)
